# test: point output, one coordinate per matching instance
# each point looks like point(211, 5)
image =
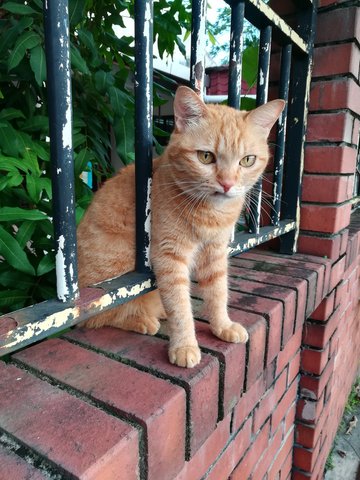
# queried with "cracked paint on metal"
point(261, 238)
point(148, 223)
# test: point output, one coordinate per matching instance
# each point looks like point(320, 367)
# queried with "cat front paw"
point(235, 333)
point(188, 356)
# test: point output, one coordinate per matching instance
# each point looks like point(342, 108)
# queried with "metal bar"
point(198, 45)
point(62, 165)
point(297, 122)
point(281, 134)
point(37, 322)
point(261, 98)
point(245, 241)
point(260, 15)
point(235, 58)
point(143, 128)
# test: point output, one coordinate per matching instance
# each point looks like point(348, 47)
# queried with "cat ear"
point(266, 115)
point(188, 108)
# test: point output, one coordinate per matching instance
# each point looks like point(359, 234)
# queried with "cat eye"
point(206, 157)
point(248, 161)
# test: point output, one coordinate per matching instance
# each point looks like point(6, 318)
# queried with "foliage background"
point(102, 66)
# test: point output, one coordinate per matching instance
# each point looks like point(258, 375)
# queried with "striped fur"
point(193, 215)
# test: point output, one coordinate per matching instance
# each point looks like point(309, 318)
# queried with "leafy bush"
point(101, 99)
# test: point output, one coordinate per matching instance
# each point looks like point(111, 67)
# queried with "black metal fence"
point(41, 320)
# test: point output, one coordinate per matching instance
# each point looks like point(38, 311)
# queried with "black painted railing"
point(41, 320)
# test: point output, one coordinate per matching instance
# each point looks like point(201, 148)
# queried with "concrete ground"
point(346, 452)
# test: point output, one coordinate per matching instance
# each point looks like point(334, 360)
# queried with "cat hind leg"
point(140, 315)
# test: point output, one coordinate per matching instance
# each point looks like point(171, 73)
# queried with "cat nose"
point(226, 184)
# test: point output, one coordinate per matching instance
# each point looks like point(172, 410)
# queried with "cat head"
point(216, 151)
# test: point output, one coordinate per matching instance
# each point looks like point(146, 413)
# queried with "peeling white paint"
point(123, 292)
point(58, 170)
point(258, 239)
point(262, 78)
point(33, 330)
point(148, 222)
point(62, 287)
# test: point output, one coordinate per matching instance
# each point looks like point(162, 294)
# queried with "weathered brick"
point(78, 437)
point(283, 406)
point(155, 404)
point(256, 346)
point(330, 127)
point(331, 60)
point(306, 263)
point(267, 457)
point(328, 247)
point(330, 159)
point(234, 451)
point(337, 271)
point(289, 352)
point(308, 435)
point(207, 453)
point(313, 386)
point(327, 189)
point(248, 401)
point(275, 269)
point(317, 334)
point(340, 24)
point(284, 451)
point(269, 402)
point(305, 458)
point(298, 285)
point(325, 309)
point(251, 457)
point(308, 410)
point(314, 361)
point(232, 358)
point(324, 218)
point(334, 94)
point(14, 467)
point(286, 296)
point(201, 383)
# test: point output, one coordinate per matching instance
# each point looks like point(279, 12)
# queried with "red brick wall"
point(333, 130)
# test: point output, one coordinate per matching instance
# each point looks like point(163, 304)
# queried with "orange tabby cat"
point(215, 155)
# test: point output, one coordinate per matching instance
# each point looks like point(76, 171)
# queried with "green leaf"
point(247, 103)
point(77, 61)
point(38, 123)
point(46, 264)
point(10, 114)
point(14, 279)
point(125, 139)
point(13, 253)
point(76, 11)
point(26, 41)
point(250, 64)
point(38, 64)
point(103, 80)
point(18, 8)
point(81, 161)
point(12, 297)
point(32, 188)
point(120, 101)
point(25, 232)
point(9, 141)
point(14, 214)
point(12, 164)
point(12, 179)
